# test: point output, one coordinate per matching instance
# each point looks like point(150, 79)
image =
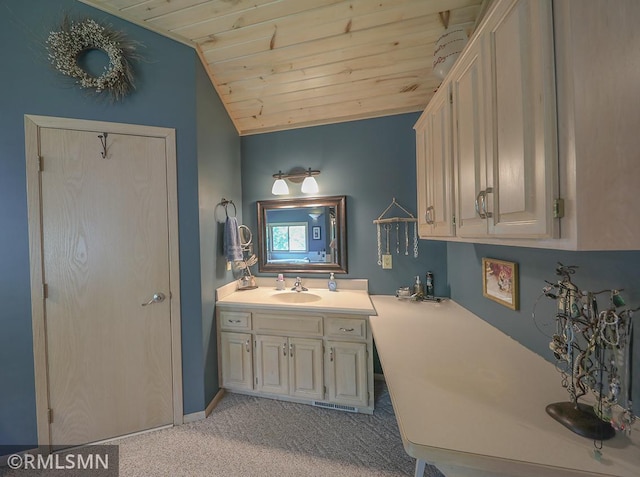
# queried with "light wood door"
point(522, 160)
point(348, 373)
point(305, 368)
point(236, 360)
point(105, 252)
point(272, 371)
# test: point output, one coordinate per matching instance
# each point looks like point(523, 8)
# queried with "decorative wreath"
point(75, 38)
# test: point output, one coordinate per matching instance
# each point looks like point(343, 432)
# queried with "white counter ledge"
point(471, 400)
point(351, 297)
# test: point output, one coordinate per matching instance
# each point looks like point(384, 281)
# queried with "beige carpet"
point(248, 437)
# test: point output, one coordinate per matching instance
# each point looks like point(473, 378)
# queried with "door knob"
point(157, 298)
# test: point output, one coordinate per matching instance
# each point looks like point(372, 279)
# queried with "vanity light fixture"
point(280, 187)
point(296, 175)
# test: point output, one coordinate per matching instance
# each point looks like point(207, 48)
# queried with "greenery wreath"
point(76, 38)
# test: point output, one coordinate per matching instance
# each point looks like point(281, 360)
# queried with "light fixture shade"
point(309, 185)
point(280, 187)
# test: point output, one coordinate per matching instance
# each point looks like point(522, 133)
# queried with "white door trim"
point(34, 204)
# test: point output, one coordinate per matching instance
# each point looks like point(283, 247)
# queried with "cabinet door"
point(348, 373)
point(434, 168)
point(470, 118)
point(305, 368)
point(440, 178)
point(422, 129)
point(272, 372)
point(236, 356)
point(522, 168)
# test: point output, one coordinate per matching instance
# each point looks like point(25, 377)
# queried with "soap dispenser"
point(333, 286)
point(417, 287)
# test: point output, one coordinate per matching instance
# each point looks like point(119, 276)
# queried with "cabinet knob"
point(246, 345)
point(284, 349)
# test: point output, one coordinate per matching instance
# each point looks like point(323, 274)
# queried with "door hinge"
point(40, 163)
point(325, 389)
point(450, 98)
point(45, 291)
point(50, 415)
point(558, 208)
point(454, 220)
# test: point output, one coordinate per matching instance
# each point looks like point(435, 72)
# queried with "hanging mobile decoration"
point(74, 38)
point(385, 260)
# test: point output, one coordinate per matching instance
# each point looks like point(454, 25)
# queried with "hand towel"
point(232, 247)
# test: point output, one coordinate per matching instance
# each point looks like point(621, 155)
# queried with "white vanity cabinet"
point(236, 349)
point(319, 358)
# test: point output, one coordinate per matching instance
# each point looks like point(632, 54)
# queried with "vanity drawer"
point(345, 327)
point(235, 320)
point(291, 325)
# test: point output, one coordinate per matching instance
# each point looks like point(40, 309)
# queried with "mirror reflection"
point(302, 235)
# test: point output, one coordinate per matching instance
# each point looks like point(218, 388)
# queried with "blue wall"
point(165, 96)
point(218, 176)
point(596, 271)
point(371, 162)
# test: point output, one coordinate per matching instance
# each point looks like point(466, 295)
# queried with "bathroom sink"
point(296, 297)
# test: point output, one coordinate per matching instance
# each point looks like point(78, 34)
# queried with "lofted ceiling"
point(284, 64)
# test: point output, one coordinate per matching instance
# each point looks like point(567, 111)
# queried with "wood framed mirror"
point(304, 235)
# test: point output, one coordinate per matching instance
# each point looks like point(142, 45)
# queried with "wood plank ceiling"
point(283, 64)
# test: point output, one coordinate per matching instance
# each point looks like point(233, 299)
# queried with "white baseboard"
point(214, 402)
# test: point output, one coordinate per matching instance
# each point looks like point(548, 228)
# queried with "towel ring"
point(225, 203)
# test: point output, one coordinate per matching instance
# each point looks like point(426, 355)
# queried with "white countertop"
point(351, 297)
point(467, 395)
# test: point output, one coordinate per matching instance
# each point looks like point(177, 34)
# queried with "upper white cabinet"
point(522, 165)
point(542, 136)
point(435, 169)
point(471, 133)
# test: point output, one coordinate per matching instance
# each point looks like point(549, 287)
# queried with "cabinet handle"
point(479, 211)
point(291, 350)
point(429, 215)
point(331, 354)
point(284, 349)
point(233, 321)
point(246, 344)
point(346, 330)
point(488, 190)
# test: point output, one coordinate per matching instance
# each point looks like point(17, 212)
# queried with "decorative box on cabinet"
point(315, 358)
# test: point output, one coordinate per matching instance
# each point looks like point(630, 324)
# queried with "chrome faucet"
point(297, 286)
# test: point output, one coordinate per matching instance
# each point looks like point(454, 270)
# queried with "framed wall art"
point(500, 282)
point(315, 230)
